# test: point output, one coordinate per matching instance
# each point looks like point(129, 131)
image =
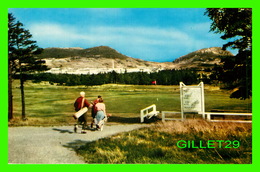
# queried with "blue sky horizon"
point(152, 34)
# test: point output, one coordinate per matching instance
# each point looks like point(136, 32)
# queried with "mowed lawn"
point(54, 104)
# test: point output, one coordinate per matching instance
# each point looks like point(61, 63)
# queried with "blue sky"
point(153, 34)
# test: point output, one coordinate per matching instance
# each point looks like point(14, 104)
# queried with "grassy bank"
point(158, 144)
point(53, 105)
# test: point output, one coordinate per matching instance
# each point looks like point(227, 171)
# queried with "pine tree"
point(11, 24)
point(235, 24)
point(22, 59)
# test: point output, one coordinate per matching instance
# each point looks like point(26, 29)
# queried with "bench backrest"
point(146, 111)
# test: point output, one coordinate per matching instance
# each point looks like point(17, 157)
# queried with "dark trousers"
point(82, 120)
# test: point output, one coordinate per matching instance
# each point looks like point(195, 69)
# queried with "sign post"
point(192, 99)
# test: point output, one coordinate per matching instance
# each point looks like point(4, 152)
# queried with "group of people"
point(98, 113)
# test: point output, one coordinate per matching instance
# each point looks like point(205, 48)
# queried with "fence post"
point(142, 116)
point(163, 116)
point(208, 116)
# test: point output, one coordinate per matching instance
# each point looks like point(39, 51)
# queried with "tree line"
point(164, 77)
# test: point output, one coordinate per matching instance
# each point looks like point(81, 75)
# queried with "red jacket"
point(78, 104)
point(94, 110)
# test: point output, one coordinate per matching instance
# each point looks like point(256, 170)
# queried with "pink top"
point(101, 106)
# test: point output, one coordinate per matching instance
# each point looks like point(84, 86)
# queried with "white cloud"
point(143, 36)
point(49, 35)
point(139, 42)
point(98, 34)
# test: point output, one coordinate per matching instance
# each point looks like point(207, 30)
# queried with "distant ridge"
point(95, 52)
point(206, 57)
point(94, 60)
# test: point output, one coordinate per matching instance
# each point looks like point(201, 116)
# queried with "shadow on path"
point(130, 120)
point(62, 131)
point(76, 144)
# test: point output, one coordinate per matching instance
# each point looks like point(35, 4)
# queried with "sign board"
point(192, 98)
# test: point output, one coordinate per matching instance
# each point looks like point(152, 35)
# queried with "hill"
point(203, 58)
point(106, 59)
point(96, 60)
point(95, 52)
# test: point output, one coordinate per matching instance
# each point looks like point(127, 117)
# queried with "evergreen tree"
point(235, 23)
point(21, 58)
point(11, 66)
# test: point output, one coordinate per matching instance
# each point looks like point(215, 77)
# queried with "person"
point(80, 103)
point(101, 113)
point(94, 111)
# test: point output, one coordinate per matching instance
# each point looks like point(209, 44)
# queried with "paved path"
point(53, 145)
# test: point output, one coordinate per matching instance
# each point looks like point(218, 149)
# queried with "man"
point(80, 103)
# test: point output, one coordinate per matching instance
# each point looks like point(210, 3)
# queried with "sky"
point(152, 34)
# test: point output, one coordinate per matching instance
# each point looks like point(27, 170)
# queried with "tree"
point(236, 25)
point(11, 68)
point(22, 59)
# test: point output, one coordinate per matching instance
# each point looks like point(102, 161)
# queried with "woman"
point(101, 113)
point(94, 110)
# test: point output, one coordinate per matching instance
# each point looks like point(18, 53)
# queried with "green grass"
point(53, 105)
point(158, 145)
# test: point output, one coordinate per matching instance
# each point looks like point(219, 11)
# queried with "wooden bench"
point(148, 112)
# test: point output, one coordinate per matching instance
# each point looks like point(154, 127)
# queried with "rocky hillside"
point(105, 59)
point(203, 58)
point(96, 60)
